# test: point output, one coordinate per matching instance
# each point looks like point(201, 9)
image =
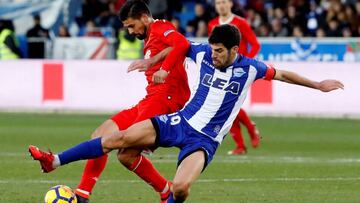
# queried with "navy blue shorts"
point(173, 131)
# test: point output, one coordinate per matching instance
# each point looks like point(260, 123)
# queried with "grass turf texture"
point(299, 160)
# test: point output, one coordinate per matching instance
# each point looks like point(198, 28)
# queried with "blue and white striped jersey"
point(215, 103)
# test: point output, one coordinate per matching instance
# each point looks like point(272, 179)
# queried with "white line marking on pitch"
point(326, 179)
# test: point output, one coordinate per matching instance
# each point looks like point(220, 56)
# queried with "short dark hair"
point(226, 34)
point(133, 9)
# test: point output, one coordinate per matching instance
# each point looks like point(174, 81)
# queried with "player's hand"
point(330, 85)
point(141, 65)
point(159, 76)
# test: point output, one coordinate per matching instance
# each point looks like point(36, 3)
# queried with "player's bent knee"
point(126, 158)
point(181, 190)
point(115, 141)
point(107, 128)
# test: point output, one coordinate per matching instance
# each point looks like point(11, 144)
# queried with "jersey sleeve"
point(264, 71)
point(168, 34)
point(194, 49)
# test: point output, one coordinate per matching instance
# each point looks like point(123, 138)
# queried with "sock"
point(245, 119)
point(235, 132)
point(172, 200)
point(146, 171)
point(56, 161)
point(92, 172)
point(86, 150)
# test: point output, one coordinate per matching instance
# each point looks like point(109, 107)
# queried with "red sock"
point(92, 171)
point(235, 132)
point(245, 119)
point(146, 171)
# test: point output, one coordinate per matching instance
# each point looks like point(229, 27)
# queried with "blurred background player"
point(249, 47)
point(167, 92)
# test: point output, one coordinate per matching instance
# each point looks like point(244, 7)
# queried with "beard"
point(142, 36)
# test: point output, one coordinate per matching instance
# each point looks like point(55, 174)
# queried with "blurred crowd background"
point(268, 18)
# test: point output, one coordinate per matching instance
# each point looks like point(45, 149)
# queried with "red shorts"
point(149, 107)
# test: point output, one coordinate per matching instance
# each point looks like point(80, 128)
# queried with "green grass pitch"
point(299, 160)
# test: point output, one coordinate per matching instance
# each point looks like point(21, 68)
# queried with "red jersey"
point(248, 37)
point(162, 34)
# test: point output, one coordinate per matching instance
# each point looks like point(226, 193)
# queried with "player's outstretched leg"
point(188, 171)
point(85, 150)
point(133, 160)
point(94, 167)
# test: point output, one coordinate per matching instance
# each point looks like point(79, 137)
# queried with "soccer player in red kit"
point(167, 92)
point(223, 8)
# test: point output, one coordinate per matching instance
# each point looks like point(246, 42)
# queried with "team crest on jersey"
point(163, 118)
point(147, 54)
point(238, 72)
point(217, 129)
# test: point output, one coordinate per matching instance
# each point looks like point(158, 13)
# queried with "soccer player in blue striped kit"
point(199, 128)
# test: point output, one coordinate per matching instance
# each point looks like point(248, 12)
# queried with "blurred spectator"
point(63, 31)
point(202, 30)
point(297, 32)
point(263, 30)
point(312, 19)
point(200, 15)
point(253, 18)
point(176, 22)
point(346, 32)
point(333, 29)
point(353, 21)
point(129, 46)
point(320, 33)
point(277, 29)
point(8, 44)
point(158, 8)
point(189, 30)
point(37, 37)
point(294, 19)
point(92, 30)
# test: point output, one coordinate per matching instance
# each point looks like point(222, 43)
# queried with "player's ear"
point(235, 49)
point(145, 18)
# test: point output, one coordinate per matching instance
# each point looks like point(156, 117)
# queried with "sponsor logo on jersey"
point(166, 33)
point(218, 83)
point(208, 63)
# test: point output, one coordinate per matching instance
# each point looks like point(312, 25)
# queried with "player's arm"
point(251, 38)
point(144, 64)
point(180, 46)
point(294, 78)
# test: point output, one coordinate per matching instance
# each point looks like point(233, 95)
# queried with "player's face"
point(136, 27)
point(221, 56)
point(223, 7)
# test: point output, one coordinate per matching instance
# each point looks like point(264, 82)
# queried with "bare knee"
point(181, 190)
point(128, 157)
point(114, 141)
point(109, 127)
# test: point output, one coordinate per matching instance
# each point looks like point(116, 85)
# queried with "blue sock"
point(172, 200)
point(86, 150)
